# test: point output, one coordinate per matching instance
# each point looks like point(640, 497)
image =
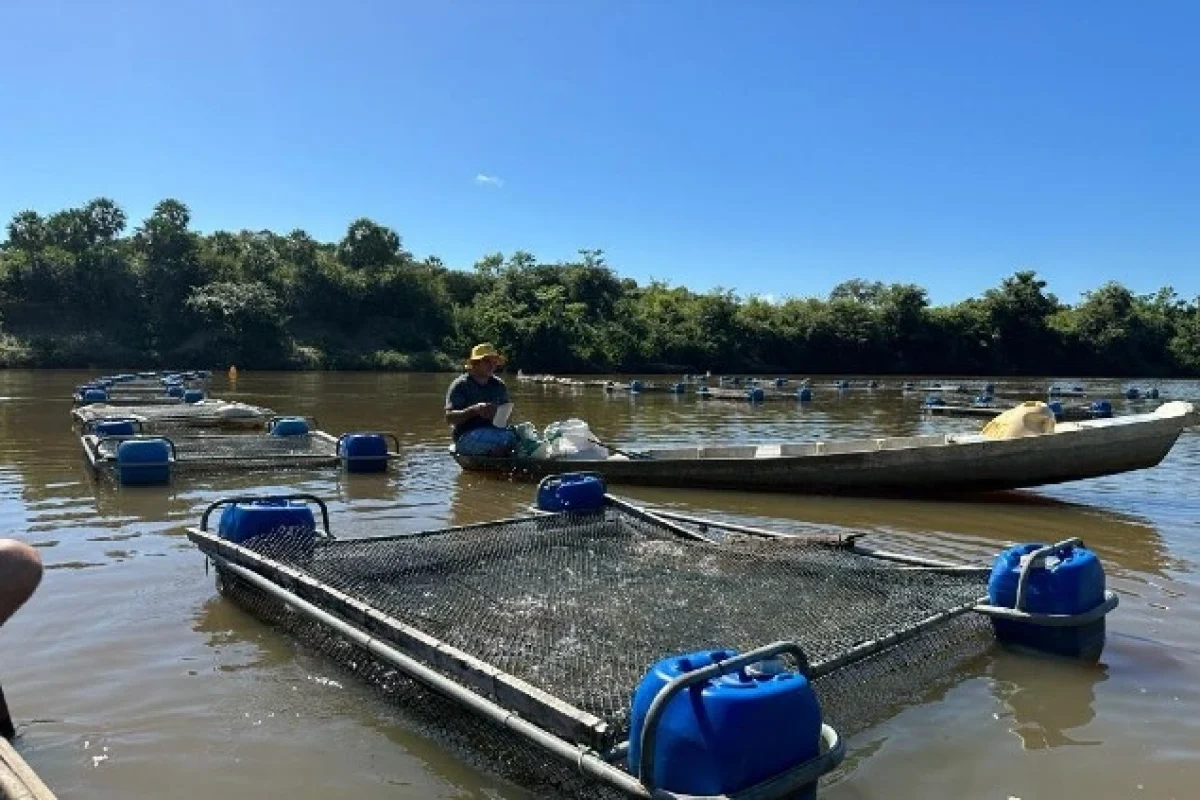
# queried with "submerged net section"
point(162, 416)
point(238, 451)
point(408, 704)
point(581, 605)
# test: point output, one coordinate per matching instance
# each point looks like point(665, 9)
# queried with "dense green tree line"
point(77, 288)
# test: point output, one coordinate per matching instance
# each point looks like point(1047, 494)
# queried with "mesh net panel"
point(421, 711)
point(234, 451)
point(581, 605)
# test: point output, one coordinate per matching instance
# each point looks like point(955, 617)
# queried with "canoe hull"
point(974, 465)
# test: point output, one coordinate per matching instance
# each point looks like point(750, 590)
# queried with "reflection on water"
point(236, 640)
point(1044, 699)
point(129, 645)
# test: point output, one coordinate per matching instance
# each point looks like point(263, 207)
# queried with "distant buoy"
point(232, 374)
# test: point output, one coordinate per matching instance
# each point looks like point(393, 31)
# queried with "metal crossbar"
point(210, 452)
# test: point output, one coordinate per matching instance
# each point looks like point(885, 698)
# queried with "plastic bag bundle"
point(529, 440)
point(1031, 418)
point(570, 439)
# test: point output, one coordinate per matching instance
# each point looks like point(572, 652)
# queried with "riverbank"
point(96, 352)
point(93, 351)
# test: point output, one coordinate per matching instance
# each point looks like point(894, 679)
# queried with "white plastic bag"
point(592, 452)
point(571, 439)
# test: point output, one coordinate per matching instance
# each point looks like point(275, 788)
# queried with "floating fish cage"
point(168, 391)
point(158, 377)
point(150, 383)
point(115, 397)
point(121, 448)
point(141, 387)
point(612, 650)
point(175, 414)
point(1099, 409)
point(1066, 391)
point(751, 394)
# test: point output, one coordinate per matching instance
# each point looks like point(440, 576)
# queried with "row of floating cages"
point(120, 447)
point(754, 394)
point(175, 393)
point(1130, 392)
point(144, 388)
point(783, 383)
point(757, 390)
point(990, 389)
point(986, 405)
point(150, 379)
point(622, 643)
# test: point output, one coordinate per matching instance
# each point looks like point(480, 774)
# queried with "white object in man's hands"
point(503, 411)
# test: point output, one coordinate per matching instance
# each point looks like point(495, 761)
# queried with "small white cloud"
point(483, 179)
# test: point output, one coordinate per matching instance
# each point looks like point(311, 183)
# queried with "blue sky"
point(770, 146)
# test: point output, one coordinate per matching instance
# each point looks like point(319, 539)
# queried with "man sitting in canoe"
point(471, 404)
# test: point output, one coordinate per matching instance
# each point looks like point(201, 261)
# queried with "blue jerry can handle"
point(309, 498)
point(801, 775)
point(1034, 559)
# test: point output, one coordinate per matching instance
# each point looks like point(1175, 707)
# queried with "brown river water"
point(129, 676)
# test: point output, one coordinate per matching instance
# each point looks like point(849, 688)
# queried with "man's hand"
point(485, 410)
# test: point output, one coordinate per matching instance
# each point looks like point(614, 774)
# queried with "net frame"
point(141, 399)
point(582, 717)
point(220, 452)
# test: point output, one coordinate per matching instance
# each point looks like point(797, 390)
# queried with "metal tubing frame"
point(873, 646)
point(649, 516)
point(905, 558)
point(749, 530)
point(90, 451)
point(1111, 601)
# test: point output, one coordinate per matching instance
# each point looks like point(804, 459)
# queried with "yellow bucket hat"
point(485, 350)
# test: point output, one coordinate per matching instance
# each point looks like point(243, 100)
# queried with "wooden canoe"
point(936, 464)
